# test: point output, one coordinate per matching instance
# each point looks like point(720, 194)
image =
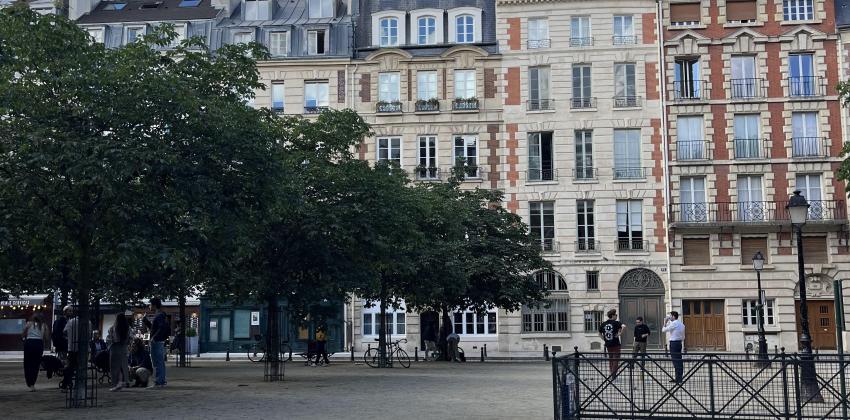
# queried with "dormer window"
point(257, 9)
point(389, 32)
point(465, 29)
point(427, 28)
point(96, 33)
point(181, 34)
point(278, 44)
point(464, 25)
point(133, 33)
point(316, 42)
point(321, 9)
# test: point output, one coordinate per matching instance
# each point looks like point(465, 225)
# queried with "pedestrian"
point(36, 337)
point(641, 334)
point(321, 345)
point(75, 345)
point(159, 332)
point(96, 345)
point(453, 339)
point(677, 336)
point(610, 331)
point(140, 364)
point(57, 333)
point(119, 340)
point(429, 336)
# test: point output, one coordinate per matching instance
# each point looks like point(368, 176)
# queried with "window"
point(744, 82)
point(540, 157)
point(473, 323)
point(798, 9)
point(395, 322)
point(464, 84)
point(750, 311)
point(750, 204)
point(427, 30)
point(685, 14)
point(538, 33)
point(181, 35)
point(592, 321)
point(315, 96)
point(810, 187)
point(741, 11)
point(466, 154)
point(542, 226)
point(241, 323)
point(802, 81)
point(115, 6)
point(584, 155)
point(279, 44)
point(189, 3)
point(591, 279)
point(747, 136)
point(316, 42)
point(257, 10)
point(624, 30)
point(692, 195)
point(581, 87)
point(134, 33)
point(538, 89)
point(749, 247)
point(551, 315)
point(586, 227)
point(815, 250)
point(96, 33)
point(580, 31)
point(625, 90)
point(690, 142)
point(277, 96)
point(687, 84)
point(627, 162)
point(630, 225)
point(389, 150)
point(804, 132)
point(389, 87)
point(696, 251)
point(243, 37)
point(465, 29)
point(389, 32)
point(551, 281)
point(427, 167)
point(426, 85)
point(321, 9)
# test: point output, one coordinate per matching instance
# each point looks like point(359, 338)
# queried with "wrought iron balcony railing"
point(752, 149)
point(689, 150)
point(584, 173)
point(584, 41)
point(534, 44)
point(314, 109)
point(632, 245)
point(540, 104)
point(427, 173)
point(806, 86)
point(629, 173)
point(587, 246)
point(752, 212)
point(432, 105)
point(583, 102)
point(627, 101)
point(809, 147)
point(690, 90)
point(542, 175)
point(470, 172)
point(624, 40)
point(465, 104)
point(384, 107)
point(549, 245)
point(747, 88)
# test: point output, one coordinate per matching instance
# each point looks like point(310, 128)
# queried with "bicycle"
point(257, 351)
point(394, 353)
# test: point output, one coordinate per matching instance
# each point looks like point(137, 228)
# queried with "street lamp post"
point(758, 265)
point(798, 208)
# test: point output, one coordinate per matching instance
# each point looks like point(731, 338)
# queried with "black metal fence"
point(714, 386)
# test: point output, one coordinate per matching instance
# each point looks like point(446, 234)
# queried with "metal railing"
point(542, 175)
point(583, 102)
point(314, 109)
point(752, 212)
point(584, 174)
point(427, 106)
point(809, 147)
point(540, 104)
point(747, 88)
point(584, 41)
point(692, 150)
point(587, 246)
point(752, 149)
point(627, 101)
point(388, 107)
point(806, 86)
point(624, 40)
point(549, 246)
point(470, 172)
point(711, 386)
point(465, 104)
point(427, 173)
point(629, 173)
point(690, 90)
point(632, 245)
point(534, 44)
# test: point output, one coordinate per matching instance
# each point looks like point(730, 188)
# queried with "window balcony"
point(534, 44)
point(692, 150)
point(430, 105)
point(806, 87)
point(691, 90)
point(586, 41)
point(752, 149)
point(469, 172)
point(427, 173)
point(752, 212)
point(632, 245)
point(540, 104)
point(585, 174)
point(312, 110)
point(587, 246)
point(583, 102)
point(549, 246)
point(624, 40)
point(627, 101)
point(542, 175)
point(388, 107)
point(747, 89)
point(809, 147)
point(465, 104)
point(629, 173)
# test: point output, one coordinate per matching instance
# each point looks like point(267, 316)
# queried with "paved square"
point(235, 390)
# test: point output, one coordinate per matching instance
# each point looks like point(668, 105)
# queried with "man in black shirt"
point(610, 331)
point(641, 335)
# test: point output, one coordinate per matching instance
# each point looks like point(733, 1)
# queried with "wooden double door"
point(651, 308)
point(821, 323)
point(705, 324)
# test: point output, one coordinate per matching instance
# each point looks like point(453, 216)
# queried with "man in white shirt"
point(677, 335)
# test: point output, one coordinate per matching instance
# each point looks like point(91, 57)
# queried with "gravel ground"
point(235, 390)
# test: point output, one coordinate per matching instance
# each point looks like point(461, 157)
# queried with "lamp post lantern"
point(758, 265)
point(798, 209)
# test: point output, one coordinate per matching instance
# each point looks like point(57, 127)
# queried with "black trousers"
point(676, 355)
point(70, 370)
point(33, 349)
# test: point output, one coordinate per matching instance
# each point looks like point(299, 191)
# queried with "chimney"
point(78, 8)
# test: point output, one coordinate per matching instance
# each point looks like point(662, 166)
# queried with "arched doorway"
point(642, 294)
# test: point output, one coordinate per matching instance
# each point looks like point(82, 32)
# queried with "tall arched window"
point(552, 314)
point(465, 29)
point(389, 32)
point(427, 27)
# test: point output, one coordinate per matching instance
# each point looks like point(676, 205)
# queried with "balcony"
point(388, 107)
point(629, 173)
point(752, 149)
point(632, 245)
point(585, 41)
point(540, 104)
point(691, 90)
point(806, 87)
point(549, 246)
point(430, 105)
point(624, 40)
point(534, 44)
point(584, 102)
point(469, 172)
point(427, 173)
point(747, 89)
point(587, 246)
point(584, 174)
point(627, 101)
point(465, 104)
point(752, 212)
point(312, 110)
point(692, 150)
point(809, 147)
point(542, 175)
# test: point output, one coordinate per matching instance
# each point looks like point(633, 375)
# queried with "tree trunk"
point(382, 332)
point(273, 362)
point(445, 330)
point(181, 335)
point(82, 345)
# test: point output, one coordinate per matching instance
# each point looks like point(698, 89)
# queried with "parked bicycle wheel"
point(402, 358)
point(256, 354)
point(371, 357)
point(285, 352)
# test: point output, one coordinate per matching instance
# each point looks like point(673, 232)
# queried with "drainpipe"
point(662, 84)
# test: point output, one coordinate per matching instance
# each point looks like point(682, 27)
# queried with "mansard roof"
point(148, 11)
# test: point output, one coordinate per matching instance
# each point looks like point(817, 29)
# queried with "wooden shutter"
point(815, 250)
point(696, 251)
point(749, 247)
point(737, 10)
point(685, 12)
